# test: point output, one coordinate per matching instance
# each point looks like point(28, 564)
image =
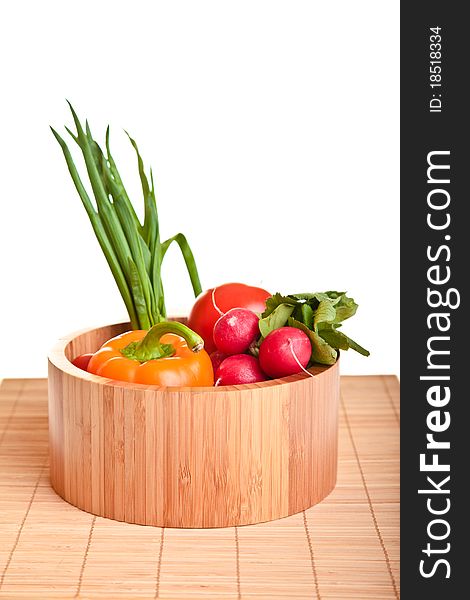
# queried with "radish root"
point(297, 360)
point(214, 303)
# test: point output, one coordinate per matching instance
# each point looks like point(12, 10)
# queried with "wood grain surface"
point(346, 547)
point(190, 457)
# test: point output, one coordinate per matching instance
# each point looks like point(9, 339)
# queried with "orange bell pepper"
point(168, 354)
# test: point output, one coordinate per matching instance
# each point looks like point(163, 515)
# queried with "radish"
point(236, 330)
point(238, 369)
point(285, 351)
point(217, 358)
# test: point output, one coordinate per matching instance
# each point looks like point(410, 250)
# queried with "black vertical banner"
point(435, 329)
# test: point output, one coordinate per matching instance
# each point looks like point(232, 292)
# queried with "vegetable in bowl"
point(293, 333)
point(284, 351)
point(249, 334)
point(319, 315)
point(133, 250)
point(215, 302)
point(169, 354)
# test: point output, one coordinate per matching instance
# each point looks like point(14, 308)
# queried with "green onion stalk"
point(133, 250)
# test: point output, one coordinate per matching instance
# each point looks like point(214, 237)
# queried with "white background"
point(272, 129)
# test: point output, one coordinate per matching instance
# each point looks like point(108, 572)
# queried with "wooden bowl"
point(189, 457)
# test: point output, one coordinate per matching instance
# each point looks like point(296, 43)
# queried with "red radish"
point(82, 361)
point(235, 330)
point(285, 351)
point(239, 368)
point(217, 358)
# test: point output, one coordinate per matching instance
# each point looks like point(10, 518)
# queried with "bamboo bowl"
point(189, 457)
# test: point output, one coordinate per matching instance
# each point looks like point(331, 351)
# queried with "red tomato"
point(204, 313)
point(82, 361)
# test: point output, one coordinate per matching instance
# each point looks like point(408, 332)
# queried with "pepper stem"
point(150, 348)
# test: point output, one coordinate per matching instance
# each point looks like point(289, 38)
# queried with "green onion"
point(133, 250)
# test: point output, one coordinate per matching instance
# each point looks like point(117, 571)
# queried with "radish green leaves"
point(319, 315)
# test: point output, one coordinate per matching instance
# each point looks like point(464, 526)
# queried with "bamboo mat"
point(345, 547)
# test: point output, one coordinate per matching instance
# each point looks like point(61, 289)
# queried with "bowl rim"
point(58, 358)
